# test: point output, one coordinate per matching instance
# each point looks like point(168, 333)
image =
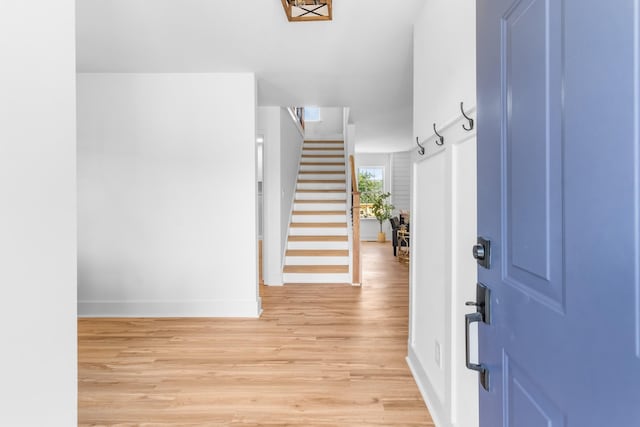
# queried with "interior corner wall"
point(350, 141)
point(443, 213)
point(269, 127)
point(291, 141)
point(282, 149)
point(167, 195)
point(349, 145)
point(38, 215)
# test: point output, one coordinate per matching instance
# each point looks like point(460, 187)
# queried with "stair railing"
point(355, 221)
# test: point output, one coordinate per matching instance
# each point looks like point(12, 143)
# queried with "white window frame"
point(384, 182)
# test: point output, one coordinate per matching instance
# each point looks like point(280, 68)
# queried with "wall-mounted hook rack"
point(421, 147)
point(440, 140)
point(466, 117)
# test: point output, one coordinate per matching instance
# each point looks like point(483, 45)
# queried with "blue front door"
point(559, 200)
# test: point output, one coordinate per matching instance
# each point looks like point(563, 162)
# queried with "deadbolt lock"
point(482, 252)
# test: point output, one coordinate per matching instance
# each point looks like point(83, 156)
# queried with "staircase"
point(318, 244)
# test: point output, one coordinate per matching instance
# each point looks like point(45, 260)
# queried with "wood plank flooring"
point(321, 355)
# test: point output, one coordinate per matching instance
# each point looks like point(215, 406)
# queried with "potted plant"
point(382, 211)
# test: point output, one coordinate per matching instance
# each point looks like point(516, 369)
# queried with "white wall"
point(167, 195)
point(444, 63)
point(282, 148)
point(349, 135)
point(38, 214)
point(269, 126)
point(260, 178)
point(401, 165)
point(443, 217)
point(330, 126)
point(291, 141)
point(443, 277)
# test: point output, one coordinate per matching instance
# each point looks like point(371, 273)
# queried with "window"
point(311, 114)
point(370, 182)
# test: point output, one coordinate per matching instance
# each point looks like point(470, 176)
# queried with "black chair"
point(395, 226)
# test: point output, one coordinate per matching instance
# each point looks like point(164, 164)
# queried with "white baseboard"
point(429, 396)
point(198, 308)
point(259, 307)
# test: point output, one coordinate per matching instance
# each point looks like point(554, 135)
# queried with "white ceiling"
point(362, 59)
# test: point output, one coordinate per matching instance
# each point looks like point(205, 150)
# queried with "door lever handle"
point(482, 302)
point(478, 367)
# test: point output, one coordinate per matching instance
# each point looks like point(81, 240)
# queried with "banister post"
point(355, 214)
point(355, 220)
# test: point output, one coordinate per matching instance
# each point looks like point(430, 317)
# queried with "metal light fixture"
point(307, 10)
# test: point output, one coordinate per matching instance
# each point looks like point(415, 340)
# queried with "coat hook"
point(466, 117)
point(440, 140)
point(421, 149)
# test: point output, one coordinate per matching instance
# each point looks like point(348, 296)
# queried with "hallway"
point(320, 355)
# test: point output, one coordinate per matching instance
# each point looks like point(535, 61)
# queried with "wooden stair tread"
point(319, 213)
point(322, 181)
point(317, 252)
point(323, 156)
point(322, 163)
point(330, 190)
point(318, 238)
point(328, 172)
point(318, 225)
point(322, 172)
point(316, 269)
point(321, 141)
point(322, 148)
point(332, 201)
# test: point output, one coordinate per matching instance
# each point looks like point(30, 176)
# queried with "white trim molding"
point(426, 389)
point(184, 308)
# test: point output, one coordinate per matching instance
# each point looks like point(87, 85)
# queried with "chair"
point(395, 226)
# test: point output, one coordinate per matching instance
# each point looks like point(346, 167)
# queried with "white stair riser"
point(316, 278)
point(319, 206)
point(339, 176)
point(318, 245)
point(302, 231)
point(321, 145)
point(319, 218)
point(317, 260)
point(322, 152)
point(337, 168)
point(321, 186)
point(321, 196)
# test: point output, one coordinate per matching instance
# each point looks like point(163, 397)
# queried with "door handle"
point(480, 368)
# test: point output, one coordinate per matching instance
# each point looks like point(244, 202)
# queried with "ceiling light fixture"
point(307, 10)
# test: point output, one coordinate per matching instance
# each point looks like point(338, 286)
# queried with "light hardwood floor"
point(320, 355)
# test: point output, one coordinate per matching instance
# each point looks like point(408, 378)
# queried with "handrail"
point(297, 114)
point(354, 181)
point(355, 220)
